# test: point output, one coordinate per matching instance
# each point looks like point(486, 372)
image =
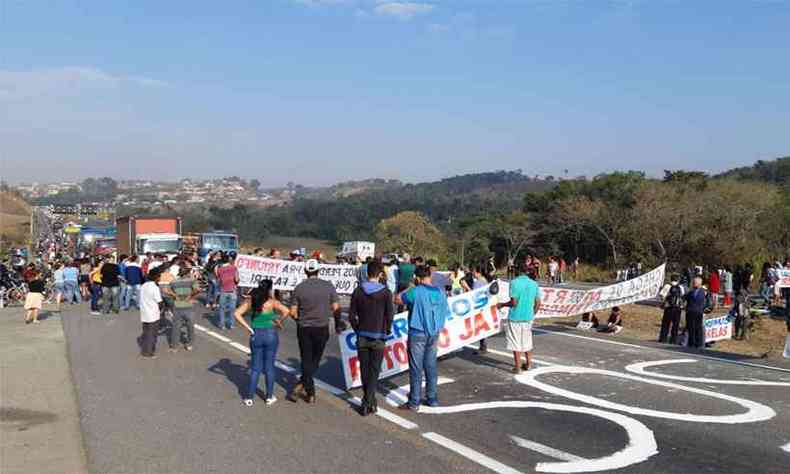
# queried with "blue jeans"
point(422, 358)
point(263, 345)
point(112, 298)
point(71, 292)
point(122, 296)
point(213, 291)
point(227, 305)
point(132, 293)
point(95, 295)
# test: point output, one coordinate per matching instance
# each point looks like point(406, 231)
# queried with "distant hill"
point(775, 171)
point(14, 219)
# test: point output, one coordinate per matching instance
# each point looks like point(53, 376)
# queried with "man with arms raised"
point(524, 303)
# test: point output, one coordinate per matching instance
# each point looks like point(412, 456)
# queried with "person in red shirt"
point(715, 287)
point(228, 278)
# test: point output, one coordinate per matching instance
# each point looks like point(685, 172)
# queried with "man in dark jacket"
point(696, 300)
point(371, 314)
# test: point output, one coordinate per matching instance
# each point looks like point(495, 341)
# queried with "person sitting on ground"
point(615, 323)
point(591, 318)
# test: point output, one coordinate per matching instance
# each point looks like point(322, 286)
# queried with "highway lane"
point(489, 420)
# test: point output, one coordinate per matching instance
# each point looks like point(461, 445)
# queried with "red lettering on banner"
point(495, 316)
point(547, 292)
point(388, 356)
point(481, 324)
point(353, 365)
point(468, 327)
point(561, 295)
point(400, 353)
point(444, 338)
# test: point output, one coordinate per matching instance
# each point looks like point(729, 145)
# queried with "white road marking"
point(510, 355)
point(641, 441)
point(387, 415)
point(755, 411)
point(400, 395)
point(471, 454)
point(700, 356)
point(785, 448)
point(545, 450)
point(640, 367)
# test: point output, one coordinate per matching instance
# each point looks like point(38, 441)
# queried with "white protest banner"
point(565, 302)
point(784, 278)
point(473, 316)
point(718, 329)
point(286, 274)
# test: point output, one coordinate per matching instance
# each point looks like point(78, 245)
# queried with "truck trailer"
point(142, 235)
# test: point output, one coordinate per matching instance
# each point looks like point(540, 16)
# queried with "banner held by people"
point(287, 274)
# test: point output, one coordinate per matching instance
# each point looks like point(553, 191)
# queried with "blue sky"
point(320, 91)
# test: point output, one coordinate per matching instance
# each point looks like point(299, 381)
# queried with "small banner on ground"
point(718, 329)
point(474, 317)
point(286, 274)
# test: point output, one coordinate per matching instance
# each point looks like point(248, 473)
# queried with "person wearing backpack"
point(672, 296)
point(428, 311)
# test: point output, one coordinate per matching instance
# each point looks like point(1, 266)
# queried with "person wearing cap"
point(314, 301)
point(524, 303)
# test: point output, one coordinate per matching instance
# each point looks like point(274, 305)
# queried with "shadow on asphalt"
point(239, 375)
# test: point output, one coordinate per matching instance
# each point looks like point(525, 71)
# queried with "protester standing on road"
point(405, 275)
point(150, 313)
point(71, 277)
point(96, 288)
point(60, 285)
point(183, 291)
point(133, 274)
point(370, 314)
point(264, 339)
point(672, 302)
point(391, 272)
point(479, 281)
point(314, 301)
point(35, 297)
point(428, 311)
point(695, 309)
point(111, 286)
point(524, 303)
point(228, 277)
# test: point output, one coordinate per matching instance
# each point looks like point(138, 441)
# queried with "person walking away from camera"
point(133, 274)
point(695, 309)
point(151, 303)
point(524, 303)
point(314, 301)
point(479, 281)
point(34, 299)
point(183, 291)
point(264, 338)
point(428, 311)
point(391, 272)
point(406, 271)
point(228, 278)
point(60, 285)
point(672, 297)
point(111, 286)
point(371, 314)
point(96, 288)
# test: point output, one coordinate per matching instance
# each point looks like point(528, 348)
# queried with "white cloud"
point(403, 10)
point(68, 80)
point(315, 3)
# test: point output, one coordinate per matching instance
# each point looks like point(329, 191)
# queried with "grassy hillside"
point(14, 220)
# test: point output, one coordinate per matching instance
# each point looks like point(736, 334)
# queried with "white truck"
point(357, 250)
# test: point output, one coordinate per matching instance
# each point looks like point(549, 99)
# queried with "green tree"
point(410, 232)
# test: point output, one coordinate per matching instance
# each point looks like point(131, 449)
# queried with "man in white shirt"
point(150, 310)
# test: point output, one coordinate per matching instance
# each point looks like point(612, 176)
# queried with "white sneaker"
point(247, 402)
point(270, 400)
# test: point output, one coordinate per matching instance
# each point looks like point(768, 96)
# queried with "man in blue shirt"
point(428, 311)
point(696, 302)
point(524, 303)
point(71, 276)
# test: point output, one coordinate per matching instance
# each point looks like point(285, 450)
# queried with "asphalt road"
point(182, 412)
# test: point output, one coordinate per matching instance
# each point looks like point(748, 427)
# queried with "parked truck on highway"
point(207, 242)
point(142, 235)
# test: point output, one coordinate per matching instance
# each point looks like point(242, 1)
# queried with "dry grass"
point(642, 322)
point(14, 220)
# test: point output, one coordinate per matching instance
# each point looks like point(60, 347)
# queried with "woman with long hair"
point(264, 340)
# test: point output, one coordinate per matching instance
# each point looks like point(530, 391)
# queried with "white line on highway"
point(470, 453)
point(640, 367)
point(754, 411)
point(718, 359)
point(400, 395)
point(510, 355)
point(545, 450)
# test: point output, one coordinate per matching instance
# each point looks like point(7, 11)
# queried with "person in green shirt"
point(405, 276)
point(524, 303)
point(264, 339)
point(183, 291)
